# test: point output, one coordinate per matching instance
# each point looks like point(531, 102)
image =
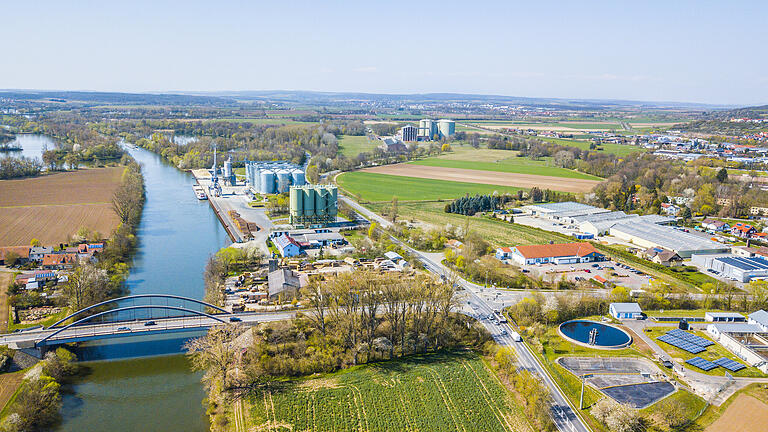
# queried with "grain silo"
point(267, 181)
point(313, 205)
point(283, 180)
point(309, 201)
point(446, 128)
point(296, 203)
point(298, 177)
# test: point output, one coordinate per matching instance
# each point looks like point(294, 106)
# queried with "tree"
point(372, 230)
point(87, 285)
point(393, 210)
point(619, 295)
point(313, 174)
point(722, 175)
point(215, 353)
point(35, 242)
point(686, 213)
point(11, 258)
point(445, 148)
point(536, 194)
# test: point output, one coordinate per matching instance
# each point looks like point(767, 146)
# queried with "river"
point(176, 236)
point(32, 146)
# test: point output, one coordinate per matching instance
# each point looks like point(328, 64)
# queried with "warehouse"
point(738, 268)
point(566, 253)
point(625, 310)
point(601, 223)
point(557, 211)
point(646, 234)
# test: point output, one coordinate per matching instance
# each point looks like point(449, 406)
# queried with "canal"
point(159, 393)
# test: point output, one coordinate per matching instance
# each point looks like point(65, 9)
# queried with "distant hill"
point(114, 98)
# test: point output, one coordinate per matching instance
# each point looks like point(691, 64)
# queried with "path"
point(5, 280)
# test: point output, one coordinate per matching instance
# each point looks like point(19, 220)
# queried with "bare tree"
point(215, 353)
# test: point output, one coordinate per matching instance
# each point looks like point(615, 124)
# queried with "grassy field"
point(5, 280)
point(617, 149)
point(53, 207)
point(382, 187)
point(478, 159)
point(352, 145)
point(713, 352)
point(441, 392)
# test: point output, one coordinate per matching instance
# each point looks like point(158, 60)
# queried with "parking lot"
point(616, 273)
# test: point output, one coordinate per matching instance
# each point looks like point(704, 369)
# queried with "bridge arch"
point(41, 341)
point(137, 296)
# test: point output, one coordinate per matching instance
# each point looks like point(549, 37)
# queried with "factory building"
point(409, 133)
point(430, 129)
point(646, 235)
point(734, 267)
point(313, 205)
point(272, 177)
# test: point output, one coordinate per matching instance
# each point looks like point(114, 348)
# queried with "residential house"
point(20, 252)
point(715, 225)
point(670, 209)
point(758, 211)
point(454, 244)
point(285, 283)
point(504, 253)
point(742, 230)
point(59, 260)
point(393, 145)
point(36, 253)
point(663, 256)
point(564, 253)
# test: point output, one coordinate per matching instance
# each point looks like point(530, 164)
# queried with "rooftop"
point(745, 263)
point(626, 307)
point(725, 314)
point(556, 250)
point(737, 328)
point(760, 316)
point(668, 238)
point(560, 207)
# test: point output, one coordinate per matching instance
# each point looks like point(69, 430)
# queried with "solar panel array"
point(729, 364)
point(701, 363)
point(684, 335)
point(682, 344)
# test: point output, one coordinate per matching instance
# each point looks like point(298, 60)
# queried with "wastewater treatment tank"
point(594, 334)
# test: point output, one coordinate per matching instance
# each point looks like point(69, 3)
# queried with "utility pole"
point(581, 398)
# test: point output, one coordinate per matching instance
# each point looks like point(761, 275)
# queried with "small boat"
point(199, 192)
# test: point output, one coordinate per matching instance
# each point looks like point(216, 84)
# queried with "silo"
point(446, 128)
point(298, 177)
point(267, 182)
point(309, 202)
point(283, 181)
point(333, 206)
point(297, 199)
point(320, 202)
point(254, 177)
point(228, 167)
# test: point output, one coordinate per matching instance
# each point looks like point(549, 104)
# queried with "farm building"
point(564, 253)
point(663, 256)
point(287, 246)
point(647, 235)
point(504, 253)
point(724, 317)
point(20, 253)
point(738, 268)
point(286, 283)
point(625, 310)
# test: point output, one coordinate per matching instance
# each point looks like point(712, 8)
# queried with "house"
point(670, 209)
point(90, 248)
point(759, 318)
point(286, 283)
point(59, 260)
point(742, 230)
point(393, 145)
point(504, 253)
point(392, 255)
point(564, 253)
point(715, 225)
point(625, 311)
point(36, 253)
point(287, 246)
point(663, 256)
point(724, 317)
point(20, 252)
point(454, 244)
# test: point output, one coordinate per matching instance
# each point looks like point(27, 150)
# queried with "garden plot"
point(633, 381)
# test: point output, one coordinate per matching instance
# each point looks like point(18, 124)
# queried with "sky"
point(685, 51)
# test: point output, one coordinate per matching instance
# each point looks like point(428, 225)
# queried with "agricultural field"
point(53, 207)
point(500, 161)
point(745, 411)
point(468, 176)
point(9, 383)
point(441, 392)
point(617, 149)
point(371, 186)
point(351, 145)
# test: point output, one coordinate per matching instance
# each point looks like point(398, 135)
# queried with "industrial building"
point(748, 341)
point(409, 133)
point(738, 268)
point(625, 310)
point(272, 177)
point(565, 253)
point(724, 317)
point(646, 235)
point(430, 129)
point(313, 205)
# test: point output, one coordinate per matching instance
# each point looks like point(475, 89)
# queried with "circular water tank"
point(283, 181)
point(298, 177)
point(267, 182)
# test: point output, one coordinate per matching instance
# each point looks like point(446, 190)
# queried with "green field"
point(351, 145)
point(507, 161)
point(261, 121)
point(382, 187)
point(617, 149)
point(441, 392)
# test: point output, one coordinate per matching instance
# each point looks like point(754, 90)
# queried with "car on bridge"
point(149, 323)
point(234, 319)
point(123, 329)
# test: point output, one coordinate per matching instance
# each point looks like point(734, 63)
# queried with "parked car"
point(123, 329)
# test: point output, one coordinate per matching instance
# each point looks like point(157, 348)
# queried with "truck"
point(515, 336)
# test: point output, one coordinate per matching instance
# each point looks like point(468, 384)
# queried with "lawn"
point(478, 160)
point(713, 352)
point(440, 392)
point(382, 187)
point(352, 145)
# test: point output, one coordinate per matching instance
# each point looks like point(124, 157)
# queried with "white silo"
point(267, 182)
point(446, 128)
point(298, 177)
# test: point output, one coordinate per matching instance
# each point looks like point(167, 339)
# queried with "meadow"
point(53, 207)
point(500, 161)
point(351, 145)
point(381, 187)
point(617, 149)
point(440, 392)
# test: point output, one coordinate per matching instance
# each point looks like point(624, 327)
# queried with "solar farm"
point(694, 345)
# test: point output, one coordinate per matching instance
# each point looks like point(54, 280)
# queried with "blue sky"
point(693, 51)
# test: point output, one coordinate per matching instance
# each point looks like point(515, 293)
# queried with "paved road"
point(563, 414)
point(136, 327)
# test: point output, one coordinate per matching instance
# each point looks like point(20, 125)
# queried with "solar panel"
point(682, 344)
point(684, 335)
point(701, 363)
point(729, 364)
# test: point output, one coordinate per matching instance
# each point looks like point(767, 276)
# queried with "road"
point(563, 414)
point(137, 328)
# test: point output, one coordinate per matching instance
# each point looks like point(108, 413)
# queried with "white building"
point(625, 311)
point(724, 317)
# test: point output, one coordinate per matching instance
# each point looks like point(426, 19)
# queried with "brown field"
point(9, 382)
point(745, 414)
point(53, 207)
point(486, 177)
